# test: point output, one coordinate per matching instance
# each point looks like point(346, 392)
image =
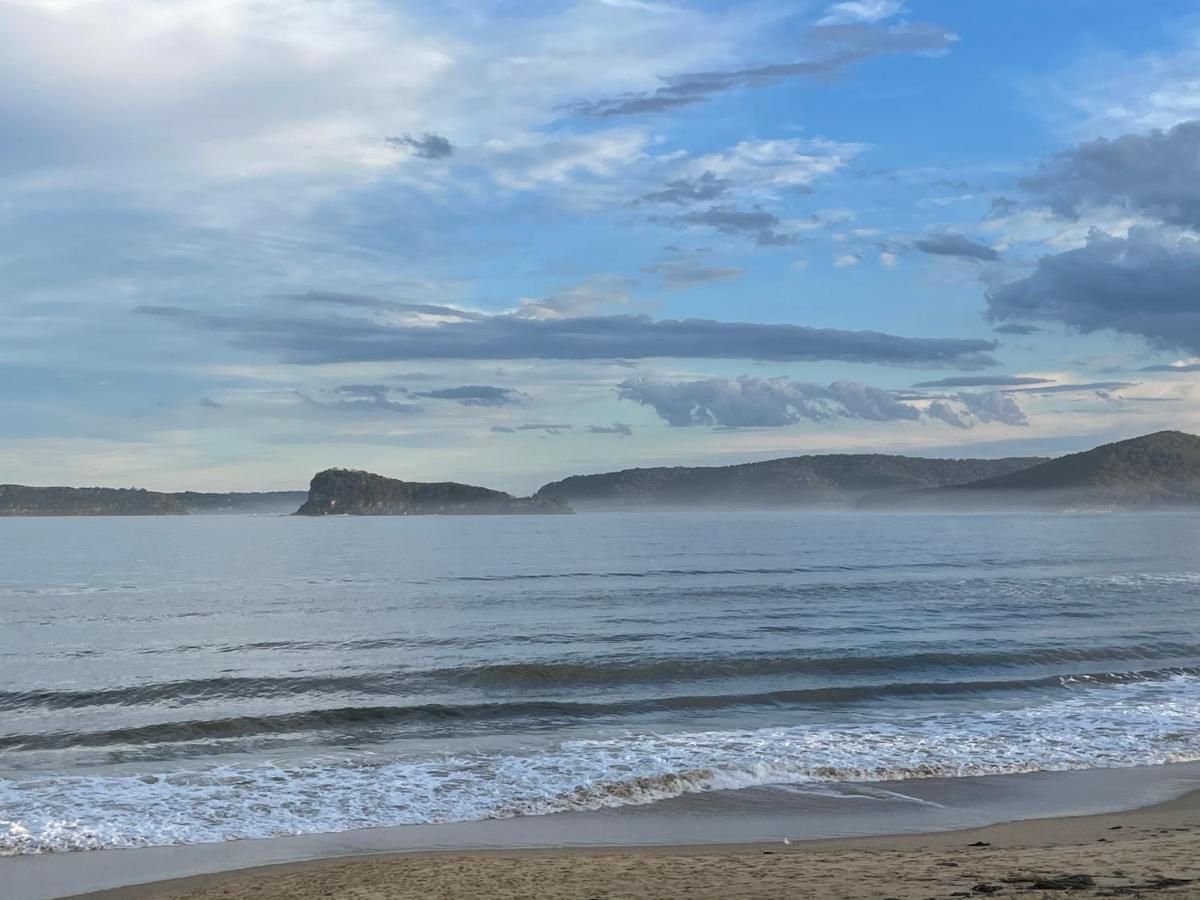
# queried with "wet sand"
point(1150, 852)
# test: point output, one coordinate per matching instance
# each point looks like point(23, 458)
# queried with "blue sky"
point(244, 240)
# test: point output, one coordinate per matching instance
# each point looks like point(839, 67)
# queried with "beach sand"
point(1151, 852)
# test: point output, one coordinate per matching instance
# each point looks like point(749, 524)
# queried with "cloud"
point(310, 341)
point(475, 395)
point(363, 302)
point(777, 163)
point(951, 244)
point(851, 11)
point(1110, 94)
point(536, 426)
point(210, 403)
point(685, 273)
point(578, 299)
point(367, 391)
point(748, 401)
point(704, 187)
point(618, 428)
point(427, 146)
point(758, 224)
point(846, 260)
point(1183, 367)
point(1018, 328)
point(527, 162)
point(365, 403)
point(1145, 284)
point(993, 407)
point(833, 47)
point(1097, 386)
point(983, 381)
point(1155, 174)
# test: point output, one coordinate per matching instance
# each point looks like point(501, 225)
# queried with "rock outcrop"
point(353, 493)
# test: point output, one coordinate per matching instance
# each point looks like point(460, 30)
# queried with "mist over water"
point(186, 680)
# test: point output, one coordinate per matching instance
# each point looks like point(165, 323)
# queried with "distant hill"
point(828, 480)
point(348, 492)
point(263, 503)
point(1160, 469)
point(20, 500)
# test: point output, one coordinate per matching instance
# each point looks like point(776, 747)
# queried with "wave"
point(402, 717)
point(1126, 723)
point(599, 672)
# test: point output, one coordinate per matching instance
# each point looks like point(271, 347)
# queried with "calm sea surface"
point(183, 680)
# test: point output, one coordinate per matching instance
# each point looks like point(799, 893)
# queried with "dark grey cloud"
point(210, 403)
point(1189, 367)
point(953, 244)
point(831, 48)
point(983, 381)
point(618, 428)
point(476, 395)
point(1018, 328)
point(1000, 207)
point(685, 273)
point(427, 146)
point(758, 224)
point(940, 409)
point(309, 341)
point(749, 401)
point(1155, 174)
point(682, 191)
point(1147, 284)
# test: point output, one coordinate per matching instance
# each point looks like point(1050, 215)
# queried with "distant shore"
point(1153, 851)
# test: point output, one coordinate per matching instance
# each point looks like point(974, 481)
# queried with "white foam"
point(1129, 724)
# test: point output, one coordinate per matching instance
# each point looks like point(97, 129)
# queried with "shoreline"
point(725, 828)
point(1150, 851)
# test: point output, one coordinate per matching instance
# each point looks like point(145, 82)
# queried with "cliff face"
point(831, 480)
point(346, 492)
point(20, 500)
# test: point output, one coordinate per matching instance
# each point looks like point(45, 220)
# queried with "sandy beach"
point(1148, 852)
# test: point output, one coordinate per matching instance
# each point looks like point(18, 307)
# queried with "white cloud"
point(532, 161)
point(765, 166)
point(851, 12)
point(846, 260)
point(1109, 94)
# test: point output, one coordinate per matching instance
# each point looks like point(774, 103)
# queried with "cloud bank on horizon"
point(483, 242)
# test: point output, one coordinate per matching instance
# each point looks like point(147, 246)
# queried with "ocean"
point(190, 680)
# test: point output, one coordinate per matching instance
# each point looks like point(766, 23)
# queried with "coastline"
point(731, 831)
point(1152, 851)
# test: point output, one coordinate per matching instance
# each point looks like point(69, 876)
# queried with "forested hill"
point(834, 479)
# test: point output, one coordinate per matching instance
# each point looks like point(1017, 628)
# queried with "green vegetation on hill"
point(1159, 469)
point(348, 492)
point(20, 500)
point(830, 480)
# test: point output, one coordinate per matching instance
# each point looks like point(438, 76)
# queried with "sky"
point(497, 242)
